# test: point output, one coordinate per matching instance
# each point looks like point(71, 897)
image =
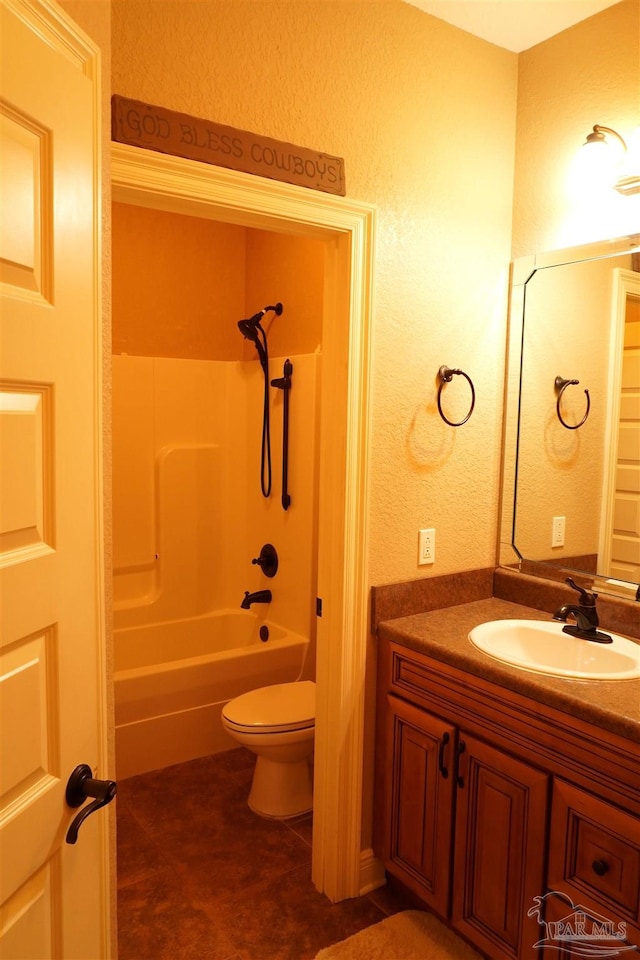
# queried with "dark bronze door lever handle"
point(80, 786)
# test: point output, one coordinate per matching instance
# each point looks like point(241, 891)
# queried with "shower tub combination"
point(172, 680)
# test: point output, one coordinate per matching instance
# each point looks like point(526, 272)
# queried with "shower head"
point(249, 329)
point(250, 332)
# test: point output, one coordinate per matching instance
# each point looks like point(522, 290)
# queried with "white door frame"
point(146, 178)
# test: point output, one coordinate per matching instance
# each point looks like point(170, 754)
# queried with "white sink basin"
point(542, 647)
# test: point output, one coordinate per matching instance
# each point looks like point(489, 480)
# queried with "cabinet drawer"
point(595, 852)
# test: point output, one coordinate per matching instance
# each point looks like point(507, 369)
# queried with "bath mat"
point(410, 935)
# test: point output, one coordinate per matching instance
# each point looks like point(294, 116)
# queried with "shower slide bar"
point(284, 383)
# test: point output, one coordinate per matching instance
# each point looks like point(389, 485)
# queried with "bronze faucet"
point(586, 615)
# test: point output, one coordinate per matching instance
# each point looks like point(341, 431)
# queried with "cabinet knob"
point(600, 867)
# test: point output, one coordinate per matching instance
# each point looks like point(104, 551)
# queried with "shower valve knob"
point(268, 560)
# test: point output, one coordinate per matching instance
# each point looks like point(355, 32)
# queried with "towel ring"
point(446, 376)
point(561, 385)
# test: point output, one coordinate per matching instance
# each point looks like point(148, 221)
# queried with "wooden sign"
point(181, 135)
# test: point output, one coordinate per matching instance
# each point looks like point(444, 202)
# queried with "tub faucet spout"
point(260, 596)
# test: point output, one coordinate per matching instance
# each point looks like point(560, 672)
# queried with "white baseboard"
point(372, 873)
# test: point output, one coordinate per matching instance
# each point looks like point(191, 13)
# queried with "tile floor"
point(201, 877)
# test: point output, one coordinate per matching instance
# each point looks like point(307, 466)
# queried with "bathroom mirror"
point(571, 465)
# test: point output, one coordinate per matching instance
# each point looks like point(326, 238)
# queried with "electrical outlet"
point(426, 546)
point(557, 531)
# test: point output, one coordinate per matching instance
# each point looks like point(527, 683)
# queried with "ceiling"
point(514, 24)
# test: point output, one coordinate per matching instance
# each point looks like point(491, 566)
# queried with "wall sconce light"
point(629, 181)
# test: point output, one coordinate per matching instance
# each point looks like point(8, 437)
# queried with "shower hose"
point(265, 459)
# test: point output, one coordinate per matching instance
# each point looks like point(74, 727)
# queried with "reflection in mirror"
point(571, 490)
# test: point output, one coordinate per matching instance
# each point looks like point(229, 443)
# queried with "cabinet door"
point(499, 854)
point(418, 802)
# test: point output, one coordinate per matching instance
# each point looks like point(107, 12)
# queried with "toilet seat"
point(277, 708)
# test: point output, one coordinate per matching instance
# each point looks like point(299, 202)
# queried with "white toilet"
point(277, 723)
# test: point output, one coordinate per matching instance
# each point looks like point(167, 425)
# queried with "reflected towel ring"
point(446, 376)
point(561, 385)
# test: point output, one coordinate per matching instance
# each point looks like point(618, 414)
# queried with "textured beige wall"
point(585, 75)
point(424, 116)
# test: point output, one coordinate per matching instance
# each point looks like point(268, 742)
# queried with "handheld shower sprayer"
point(251, 329)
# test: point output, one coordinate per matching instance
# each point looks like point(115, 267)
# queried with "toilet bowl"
point(277, 723)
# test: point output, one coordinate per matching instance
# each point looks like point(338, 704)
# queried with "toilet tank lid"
point(276, 705)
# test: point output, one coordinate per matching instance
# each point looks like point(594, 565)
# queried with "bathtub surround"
point(188, 516)
point(188, 395)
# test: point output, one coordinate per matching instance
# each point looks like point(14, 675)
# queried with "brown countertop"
point(443, 635)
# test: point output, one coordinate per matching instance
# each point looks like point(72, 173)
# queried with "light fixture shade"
point(612, 162)
point(597, 164)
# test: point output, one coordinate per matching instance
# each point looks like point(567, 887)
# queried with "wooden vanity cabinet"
point(476, 815)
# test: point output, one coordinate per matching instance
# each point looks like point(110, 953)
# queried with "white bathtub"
point(172, 680)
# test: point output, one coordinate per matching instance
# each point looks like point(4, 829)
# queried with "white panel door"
point(53, 895)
